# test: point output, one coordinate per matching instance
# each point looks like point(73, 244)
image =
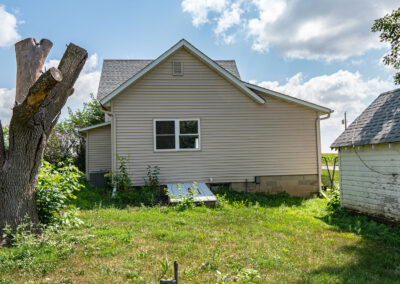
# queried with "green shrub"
point(55, 190)
point(186, 201)
point(334, 199)
point(120, 180)
point(127, 194)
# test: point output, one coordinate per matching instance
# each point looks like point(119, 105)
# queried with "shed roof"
point(117, 71)
point(94, 126)
point(378, 123)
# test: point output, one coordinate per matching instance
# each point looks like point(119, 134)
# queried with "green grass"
point(253, 238)
point(330, 157)
point(325, 177)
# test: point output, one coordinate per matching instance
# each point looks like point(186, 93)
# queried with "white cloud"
point(229, 18)
point(8, 28)
point(341, 91)
point(314, 29)
point(6, 102)
point(88, 82)
point(200, 9)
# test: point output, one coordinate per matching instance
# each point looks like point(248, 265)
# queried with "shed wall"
point(366, 191)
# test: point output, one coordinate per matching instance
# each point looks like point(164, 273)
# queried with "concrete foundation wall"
point(294, 185)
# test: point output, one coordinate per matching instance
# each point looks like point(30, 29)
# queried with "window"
point(177, 68)
point(176, 134)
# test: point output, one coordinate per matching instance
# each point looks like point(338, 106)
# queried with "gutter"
point(105, 111)
point(318, 140)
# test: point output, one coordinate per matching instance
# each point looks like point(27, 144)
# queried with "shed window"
point(177, 134)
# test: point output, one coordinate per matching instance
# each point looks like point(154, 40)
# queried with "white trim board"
point(204, 58)
point(177, 135)
point(94, 126)
point(288, 98)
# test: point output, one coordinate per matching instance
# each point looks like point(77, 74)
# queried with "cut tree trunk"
point(38, 101)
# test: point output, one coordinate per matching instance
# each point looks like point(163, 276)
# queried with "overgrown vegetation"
point(186, 201)
point(126, 194)
point(248, 238)
point(56, 188)
point(65, 142)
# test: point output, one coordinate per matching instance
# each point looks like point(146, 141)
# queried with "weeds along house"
point(369, 159)
point(197, 120)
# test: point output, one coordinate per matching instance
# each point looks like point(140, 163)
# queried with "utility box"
point(97, 179)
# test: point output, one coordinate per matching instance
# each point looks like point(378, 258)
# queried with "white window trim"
point(177, 134)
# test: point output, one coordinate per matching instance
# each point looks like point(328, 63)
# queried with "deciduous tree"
point(389, 26)
point(39, 99)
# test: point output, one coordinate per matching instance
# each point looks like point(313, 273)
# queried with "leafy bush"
point(334, 199)
point(55, 189)
point(186, 201)
point(127, 194)
point(120, 180)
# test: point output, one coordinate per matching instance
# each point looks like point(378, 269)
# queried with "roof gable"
point(147, 66)
point(116, 71)
point(378, 123)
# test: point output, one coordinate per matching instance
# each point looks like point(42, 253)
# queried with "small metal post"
point(176, 271)
point(172, 281)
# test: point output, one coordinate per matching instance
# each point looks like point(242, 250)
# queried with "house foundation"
point(294, 185)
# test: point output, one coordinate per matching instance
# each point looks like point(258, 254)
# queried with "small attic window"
point(177, 68)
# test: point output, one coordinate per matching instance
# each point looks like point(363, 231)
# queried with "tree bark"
point(38, 102)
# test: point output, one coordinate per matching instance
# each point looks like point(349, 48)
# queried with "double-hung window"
point(176, 134)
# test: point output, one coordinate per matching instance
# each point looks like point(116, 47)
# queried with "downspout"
point(317, 140)
point(104, 110)
point(111, 114)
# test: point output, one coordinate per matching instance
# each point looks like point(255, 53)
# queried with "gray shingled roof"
point(116, 72)
point(379, 123)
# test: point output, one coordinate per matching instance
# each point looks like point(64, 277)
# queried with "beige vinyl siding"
point(98, 146)
point(239, 137)
point(365, 190)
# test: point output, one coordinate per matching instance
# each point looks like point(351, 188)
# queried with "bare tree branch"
point(70, 66)
point(30, 59)
point(36, 95)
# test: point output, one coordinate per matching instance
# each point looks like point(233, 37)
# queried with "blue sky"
point(321, 51)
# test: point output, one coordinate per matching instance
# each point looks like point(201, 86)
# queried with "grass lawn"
point(330, 158)
point(249, 238)
point(325, 177)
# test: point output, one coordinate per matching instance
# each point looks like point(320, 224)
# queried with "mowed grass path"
point(286, 240)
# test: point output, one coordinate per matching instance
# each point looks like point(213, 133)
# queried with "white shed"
point(369, 159)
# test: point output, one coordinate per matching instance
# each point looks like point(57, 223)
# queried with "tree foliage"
point(389, 26)
point(5, 135)
point(65, 142)
point(56, 187)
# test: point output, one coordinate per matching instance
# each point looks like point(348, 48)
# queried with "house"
point(369, 159)
point(197, 120)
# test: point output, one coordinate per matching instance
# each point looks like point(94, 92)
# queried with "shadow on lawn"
point(375, 259)
point(263, 200)
point(370, 262)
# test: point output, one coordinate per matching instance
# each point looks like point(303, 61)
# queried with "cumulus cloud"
point(8, 28)
point(343, 91)
point(199, 10)
point(314, 29)
point(87, 83)
point(6, 102)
